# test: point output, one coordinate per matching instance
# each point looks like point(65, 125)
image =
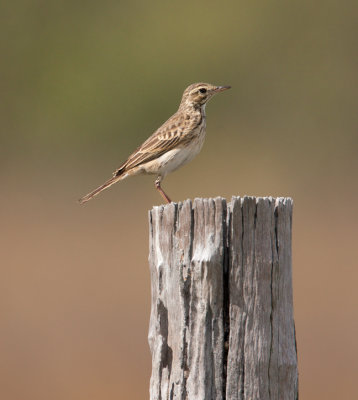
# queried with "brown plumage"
point(174, 144)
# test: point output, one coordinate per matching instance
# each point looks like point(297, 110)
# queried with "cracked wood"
point(221, 324)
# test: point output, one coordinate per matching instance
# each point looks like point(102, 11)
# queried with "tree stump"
point(221, 324)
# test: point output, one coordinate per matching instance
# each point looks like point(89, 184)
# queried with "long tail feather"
point(106, 185)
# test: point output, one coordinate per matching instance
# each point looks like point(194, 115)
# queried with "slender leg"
point(161, 191)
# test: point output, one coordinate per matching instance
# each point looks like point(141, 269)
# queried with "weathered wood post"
point(221, 324)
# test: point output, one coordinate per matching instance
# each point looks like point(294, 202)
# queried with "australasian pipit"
point(174, 144)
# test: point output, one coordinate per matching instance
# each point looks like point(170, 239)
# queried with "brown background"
point(84, 83)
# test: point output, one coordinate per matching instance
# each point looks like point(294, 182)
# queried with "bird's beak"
point(221, 88)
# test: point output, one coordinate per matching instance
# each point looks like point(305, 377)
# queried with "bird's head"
point(198, 94)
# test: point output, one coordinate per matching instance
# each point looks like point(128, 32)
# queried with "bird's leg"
point(161, 191)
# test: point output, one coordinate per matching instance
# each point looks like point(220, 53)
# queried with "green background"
point(82, 85)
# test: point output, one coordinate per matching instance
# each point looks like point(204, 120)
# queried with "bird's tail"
point(106, 185)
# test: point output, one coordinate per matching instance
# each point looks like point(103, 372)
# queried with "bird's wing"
point(171, 134)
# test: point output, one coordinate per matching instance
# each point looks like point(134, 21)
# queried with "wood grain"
point(221, 324)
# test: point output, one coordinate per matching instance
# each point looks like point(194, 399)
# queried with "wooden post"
point(221, 324)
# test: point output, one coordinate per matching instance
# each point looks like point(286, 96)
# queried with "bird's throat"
point(202, 109)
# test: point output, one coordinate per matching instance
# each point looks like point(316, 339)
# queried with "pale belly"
point(175, 158)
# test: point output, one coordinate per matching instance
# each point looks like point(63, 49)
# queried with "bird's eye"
point(202, 90)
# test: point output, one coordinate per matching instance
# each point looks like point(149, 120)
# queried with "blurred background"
point(83, 83)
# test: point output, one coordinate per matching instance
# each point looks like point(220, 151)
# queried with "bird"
point(171, 146)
